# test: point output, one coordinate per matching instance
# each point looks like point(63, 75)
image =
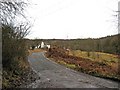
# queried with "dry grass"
point(97, 63)
point(35, 50)
point(96, 56)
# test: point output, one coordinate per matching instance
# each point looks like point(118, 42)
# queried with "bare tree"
point(10, 9)
point(13, 31)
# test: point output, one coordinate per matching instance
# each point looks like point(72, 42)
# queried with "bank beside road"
point(53, 75)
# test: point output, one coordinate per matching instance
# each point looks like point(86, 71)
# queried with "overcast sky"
point(61, 19)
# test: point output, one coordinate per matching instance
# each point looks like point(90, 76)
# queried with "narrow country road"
point(53, 75)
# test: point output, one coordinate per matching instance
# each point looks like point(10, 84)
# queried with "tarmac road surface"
point(53, 75)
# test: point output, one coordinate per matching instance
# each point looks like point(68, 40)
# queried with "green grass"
point(67, 65)
point(71, 66)
point(95, 56)
point(102, 59)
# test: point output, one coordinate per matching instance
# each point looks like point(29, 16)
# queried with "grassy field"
point(109, 59)
point(94, 63)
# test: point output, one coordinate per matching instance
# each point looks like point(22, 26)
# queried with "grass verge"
point(108, 70)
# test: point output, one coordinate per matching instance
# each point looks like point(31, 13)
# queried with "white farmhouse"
point(48, 46)
point(42, 44)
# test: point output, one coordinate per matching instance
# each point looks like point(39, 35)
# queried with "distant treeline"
point(109, 44)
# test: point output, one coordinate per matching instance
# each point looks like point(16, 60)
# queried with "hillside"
point(96, 63)
point(109, 44)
